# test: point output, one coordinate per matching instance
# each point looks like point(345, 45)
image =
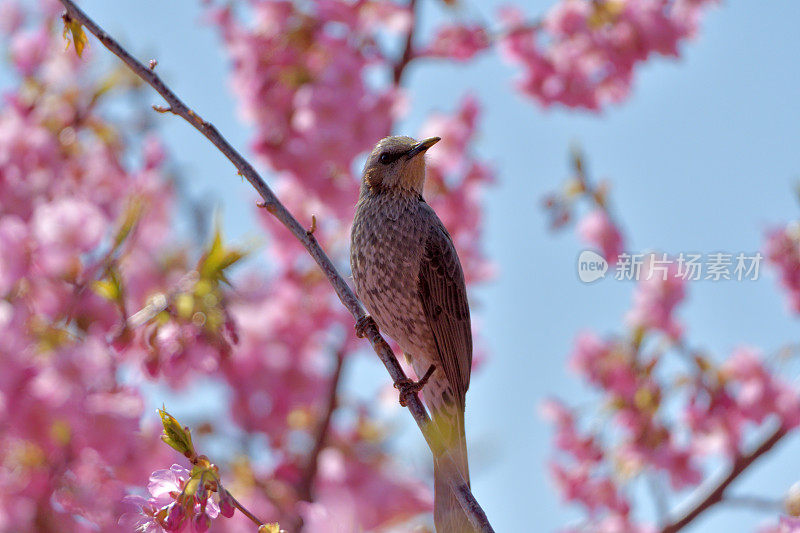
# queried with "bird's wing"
point(443, 295)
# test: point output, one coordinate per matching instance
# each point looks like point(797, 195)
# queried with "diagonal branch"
point(408, 48)
point(309, 242)
point(715, 494)
point(305, 486)
point(310, 470)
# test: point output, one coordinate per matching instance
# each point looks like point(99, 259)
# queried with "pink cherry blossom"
point(584, 53)
point(307, 95)
point(14, 259)
point(167, 509)
point(354, 495)
point(584, 449)
point(786, 524)
point(11, 17)
point(760, 394)
point(596, 492)
point(606, 364)
point(29, 50)
point(715, 419)
point(65, 229)
point(163, 482)
point(783, 250)
point(659, 291)
point(458, 42)
point(72, 429)
point(86, 230)
point(597, 229)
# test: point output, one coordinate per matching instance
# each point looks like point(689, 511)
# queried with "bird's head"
point(397, 162)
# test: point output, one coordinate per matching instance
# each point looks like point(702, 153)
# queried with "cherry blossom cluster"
point(300, 76)
point(782, 249)
point(98, 297)
point(78, 214)
point(180, 497)
point(674, 411)
point(175, 502)
point(459, 42)
point(722, 405)
point(583, 53)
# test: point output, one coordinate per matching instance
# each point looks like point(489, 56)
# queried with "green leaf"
point(107, 288)
point(176, 436)
point(132, 214)
point(78, 35)
point(110, 287)
point(218, 258)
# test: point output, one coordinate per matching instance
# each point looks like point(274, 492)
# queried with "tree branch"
point(306, 484)
point(448, 467)
point(715, 494)
point(408, 48)
point(242, 509)
point(310, 470)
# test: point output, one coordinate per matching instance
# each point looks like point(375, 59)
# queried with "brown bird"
point(408, 275)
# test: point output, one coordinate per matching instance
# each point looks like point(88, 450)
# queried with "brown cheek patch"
point(372, 177)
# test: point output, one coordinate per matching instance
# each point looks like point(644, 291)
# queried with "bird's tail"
point(448, 516)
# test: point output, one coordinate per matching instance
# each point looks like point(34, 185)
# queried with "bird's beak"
point(421, 146)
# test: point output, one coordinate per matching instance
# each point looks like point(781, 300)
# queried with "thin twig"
point(590, 189)
point(758, 503)
point(310, 470)
point(408, 48)
point(313, 227)
point(715, 494)
point(245, 512)
point(446, 463)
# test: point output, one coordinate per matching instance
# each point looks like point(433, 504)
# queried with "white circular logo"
point(591, 266)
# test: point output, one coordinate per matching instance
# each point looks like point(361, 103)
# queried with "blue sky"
point(703, 157)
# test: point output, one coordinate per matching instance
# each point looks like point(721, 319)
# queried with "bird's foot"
point(363, 323)
point(409, 387)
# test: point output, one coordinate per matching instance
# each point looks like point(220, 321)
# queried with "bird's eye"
point(385, 158)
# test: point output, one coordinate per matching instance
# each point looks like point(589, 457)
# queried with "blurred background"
point(703, 157)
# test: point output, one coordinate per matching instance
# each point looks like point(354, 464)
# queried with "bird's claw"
point(363, 324)
point(409, 387)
